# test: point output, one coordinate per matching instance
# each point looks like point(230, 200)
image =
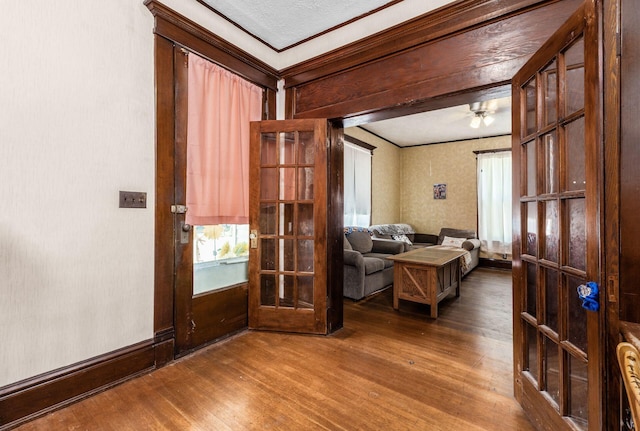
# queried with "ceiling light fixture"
point(482, 114)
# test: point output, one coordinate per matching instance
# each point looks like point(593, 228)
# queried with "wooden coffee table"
point(426, 275)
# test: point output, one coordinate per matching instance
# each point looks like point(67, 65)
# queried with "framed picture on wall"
point(439, 191)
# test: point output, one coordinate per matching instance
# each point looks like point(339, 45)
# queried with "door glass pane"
point(268, 149)
point(287, 184)
point(268, 219)
point(532, 283)
point(550, 74)
point(220, 256)
point(268, 184)
point(576, 179)
point(551, 299)
point(306, 148)
point(552, 370)
point(530, 105)
point(268, 289)
point(532, 228)
point(577, 317)
point(574, 61)
point(286, 219)
point(305, 255)
point(552, 157)
point(287, 148)
point(532, 173)
point(288, 291)
point(577, 234)
point(551, 235)
point(578, 391)
point(532, 351)
point(268, 254)
point(305, 292)
point(287, 262)
point(305, 219)
point(305, 183)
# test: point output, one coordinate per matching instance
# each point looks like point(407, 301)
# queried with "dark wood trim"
point(359, 143)
point(391, 3)
point(494, 263)
point(165, 131)
point(185, 32)
point(614, 90)
point(462, 66)
point(27, 399)
point(424, 29)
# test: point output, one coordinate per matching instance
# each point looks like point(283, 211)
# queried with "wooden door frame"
point(422, 31)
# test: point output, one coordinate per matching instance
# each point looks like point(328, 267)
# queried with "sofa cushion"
point(382, 257)
point(372, 264)
point(360, 241)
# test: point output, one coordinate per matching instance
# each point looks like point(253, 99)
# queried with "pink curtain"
point(220, 107)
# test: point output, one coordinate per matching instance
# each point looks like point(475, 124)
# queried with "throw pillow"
point(453, 242)
point(402, 237)
point(361, 241)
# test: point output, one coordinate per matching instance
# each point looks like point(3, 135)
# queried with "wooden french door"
point(558, 344)
point(292, 226)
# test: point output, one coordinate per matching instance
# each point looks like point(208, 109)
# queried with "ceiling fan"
point(482, 113)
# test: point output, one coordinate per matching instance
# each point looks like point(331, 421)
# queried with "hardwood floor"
point(385, 370)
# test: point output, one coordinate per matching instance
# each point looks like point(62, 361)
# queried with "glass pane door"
point(288, 287)
point(557, 342)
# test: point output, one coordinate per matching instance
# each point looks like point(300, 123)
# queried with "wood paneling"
point(479, 57)
point(33, 397)
point(384, 370)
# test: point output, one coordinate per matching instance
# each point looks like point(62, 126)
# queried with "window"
point(494, 202)
point(357, 185)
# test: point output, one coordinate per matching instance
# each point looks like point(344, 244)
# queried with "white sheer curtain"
point(494, 202)
point(357, 186)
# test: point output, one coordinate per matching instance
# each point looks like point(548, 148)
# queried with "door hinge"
point(179, 209)
point(612, 288)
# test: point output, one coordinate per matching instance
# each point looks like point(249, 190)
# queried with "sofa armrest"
point(425, 238)
point(471, 244)
point(353, 258)
point(388, 246)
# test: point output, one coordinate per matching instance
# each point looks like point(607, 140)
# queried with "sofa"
point(412, 240)
point(366, 269)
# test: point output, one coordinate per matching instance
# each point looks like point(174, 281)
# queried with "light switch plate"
point(133, 199)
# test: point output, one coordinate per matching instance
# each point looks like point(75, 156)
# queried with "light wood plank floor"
point(385, 370)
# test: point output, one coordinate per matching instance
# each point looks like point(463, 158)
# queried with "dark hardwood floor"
point(385, 370)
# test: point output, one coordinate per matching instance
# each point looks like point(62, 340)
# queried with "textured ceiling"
point(282, 23)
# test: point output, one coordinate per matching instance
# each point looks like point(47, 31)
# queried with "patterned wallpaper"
point(403, 180)
point(453, 164)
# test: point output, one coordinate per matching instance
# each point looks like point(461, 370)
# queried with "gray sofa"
point(403, 232)
point(471, 243)
point(412, 240)
point(366, 269)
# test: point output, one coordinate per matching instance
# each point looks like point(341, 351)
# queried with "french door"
point(559, 344)
point(295, 278)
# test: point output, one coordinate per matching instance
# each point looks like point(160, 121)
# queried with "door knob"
point(186, 227)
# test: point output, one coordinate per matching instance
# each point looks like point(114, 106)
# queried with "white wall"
point(76, 126)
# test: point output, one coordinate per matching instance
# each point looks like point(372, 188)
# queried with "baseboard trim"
point(36, 396)
point(494, 263)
